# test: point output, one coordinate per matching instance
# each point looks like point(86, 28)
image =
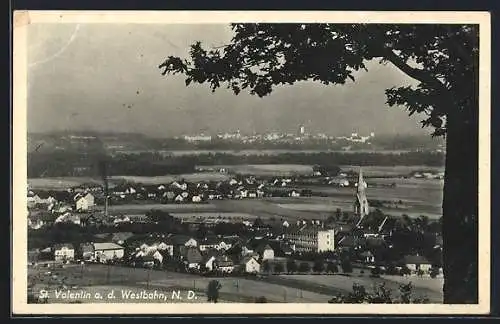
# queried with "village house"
point(107, 251)
point(69, 218)
point(224, 264)
point(37, 220)
point(86, 252)
point(250, 264)
point(367, 257)
point(149, 257)
point(209, 243)
point(121, 219)
point(416, 263)
point(84, 202)
point(121, 238)
point(209, 257)
point(64, 252)
point(265, 251)
point(174, 244)
point(169, 195)
point(192, 258)
point(179, 185)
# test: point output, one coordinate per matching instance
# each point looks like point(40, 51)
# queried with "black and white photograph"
point(199, 162)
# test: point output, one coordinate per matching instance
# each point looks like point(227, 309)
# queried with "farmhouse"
point(416, 263)
point(107, 251)
point(209, 257)
point(64, 252)
point(87, 251)
point(224, 264)
point(250, 264)
point(265, 251)
point(209, 243)
point(192, 258)
point(83, 202)
point(149, 257)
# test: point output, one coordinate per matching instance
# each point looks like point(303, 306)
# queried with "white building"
point(84, 201)
point(107, 251)
point(312, 238)
point(251, 265)
point(326, 240)
point(64, 252)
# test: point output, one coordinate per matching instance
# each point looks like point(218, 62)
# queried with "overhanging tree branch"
point(417, 74)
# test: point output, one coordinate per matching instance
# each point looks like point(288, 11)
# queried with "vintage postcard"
point(226, 162)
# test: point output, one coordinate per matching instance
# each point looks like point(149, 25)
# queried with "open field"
point(253, 289)
point(104, 279)
point(256, 152)
point(264, 209)
point(138, 208)
point(214, 215)
point(423, 287)
point(383, 171)
point(418, 196)
point(60, 183)
point(265, 169)
point(191, 177)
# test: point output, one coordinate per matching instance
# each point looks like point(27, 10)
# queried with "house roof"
point(211, 240)
point(178, 239)
point(103, 235)
point(224, 261)
point(351, 241)
point(63, 245)
point(246, 259)
point(107, 246)
point(415, 259)
point(375, 241)
point(86, 247)
point(263, 247)
point(192, 255)
point(121, 236)
point(150, 255)
point(366, 254)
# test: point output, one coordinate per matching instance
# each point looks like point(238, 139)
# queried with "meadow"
point(190, 177)
point(415, 197)
point(266, 169)
point(137, 208)
point(422, 287)
point(385, 171)
point(214, 215)
point(101, 278)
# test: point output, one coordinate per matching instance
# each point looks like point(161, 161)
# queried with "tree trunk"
point(460, 208)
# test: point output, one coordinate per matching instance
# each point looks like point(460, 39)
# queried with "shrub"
point(304, 267)
point(380, 295)
point(434, 272)
point(261, 300)
point(332, 268)
point(346, 266)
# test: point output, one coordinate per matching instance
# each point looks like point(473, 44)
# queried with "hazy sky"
point(84, 77)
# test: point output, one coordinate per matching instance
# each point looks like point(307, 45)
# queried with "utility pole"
point(147, 282)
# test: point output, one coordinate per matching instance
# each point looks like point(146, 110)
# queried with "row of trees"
point(52, 164)
point(359, 295)
point(318, 266)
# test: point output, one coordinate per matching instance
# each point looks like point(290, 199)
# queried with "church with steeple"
point(361, 207)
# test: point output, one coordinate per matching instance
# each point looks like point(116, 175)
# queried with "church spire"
point(361, 205)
